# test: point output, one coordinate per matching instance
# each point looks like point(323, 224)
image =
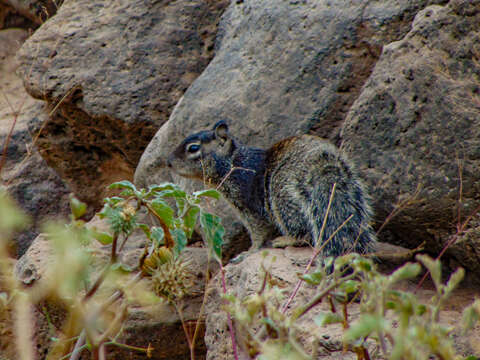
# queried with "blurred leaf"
point(190, 219)
point(124, 184)
point(121, 267)
point(69, 268)
point(209, 192)
point(102, 237)
point(11, 218)
point(163, 210)
point(157, 235)
point(434, 267)
point(366, 325)
point(406, 272)
point(180, 239)
point(454, 280)
point(213, 231)
point(146, 229)
point(471, 315)
point(313, 278)
point(326, 318)
point(77, 207)
point(114, 200)
point(421, 309)
point(349, 286)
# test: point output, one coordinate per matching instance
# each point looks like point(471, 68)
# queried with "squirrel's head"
point(204, 155)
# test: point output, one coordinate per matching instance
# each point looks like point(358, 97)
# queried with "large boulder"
point(110, 73)
point(280, 69)
point(415, 132)
point(36, 187)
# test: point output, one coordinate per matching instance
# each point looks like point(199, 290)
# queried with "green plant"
point(86, 292)
point(395, 323)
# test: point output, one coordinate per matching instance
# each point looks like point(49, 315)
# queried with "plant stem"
point(318, 298)
point(229, 318)
point(79, 345)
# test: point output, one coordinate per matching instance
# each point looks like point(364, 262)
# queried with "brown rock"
point(416, 125)
point(111, 73)
point(37, 189)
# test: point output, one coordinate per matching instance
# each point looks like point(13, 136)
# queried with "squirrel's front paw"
point(285, 240)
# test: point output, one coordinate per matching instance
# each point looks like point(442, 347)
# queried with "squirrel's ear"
point(221, 130)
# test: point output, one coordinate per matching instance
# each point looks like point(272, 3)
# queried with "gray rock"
point(111, 73)
point(280, 69)
point(416, 125)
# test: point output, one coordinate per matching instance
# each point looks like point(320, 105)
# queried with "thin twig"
point(79, 346)
point(229, 318)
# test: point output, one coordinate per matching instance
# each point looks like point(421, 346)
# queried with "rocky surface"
point(246, 278)
point(281, 69)
point(156, 325)
point(416, 125)
point(37, 189)
point(110, 73)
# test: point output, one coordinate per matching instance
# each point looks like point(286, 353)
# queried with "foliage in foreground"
point(96, 299)
point(393, 324)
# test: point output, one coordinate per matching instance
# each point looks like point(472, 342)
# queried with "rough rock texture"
point(110, 72)
point(157, 325)
point(246, 278)
point(37, 189)
point(282, 68)
point(416, 124)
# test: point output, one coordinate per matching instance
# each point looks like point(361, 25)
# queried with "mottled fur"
point(285, 188)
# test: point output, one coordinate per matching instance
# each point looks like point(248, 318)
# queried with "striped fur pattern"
point(284, 189)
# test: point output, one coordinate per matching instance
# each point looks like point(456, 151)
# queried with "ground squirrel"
point(285, 188)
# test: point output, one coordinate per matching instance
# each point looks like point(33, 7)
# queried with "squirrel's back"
point(302, 172)
point(286, 187)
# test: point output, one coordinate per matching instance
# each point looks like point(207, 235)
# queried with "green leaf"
point(163, 210)
point(213, 231)
point(209, 192)
point(124, 184)
point(190, 219)
point(471, 315)
point(454, 281)
point(102, 237)
point(434, 267)
point(11, 217)
point(180, 239)
point(121, 267)
point(146, 229)
point(364, 327)
point(406, 272)
point(326, 318)
point(349, 286)
point(157, 235)
point(77, 207)
point(313, 278)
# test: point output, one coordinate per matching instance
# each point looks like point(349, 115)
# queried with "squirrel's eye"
point(193, 148)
